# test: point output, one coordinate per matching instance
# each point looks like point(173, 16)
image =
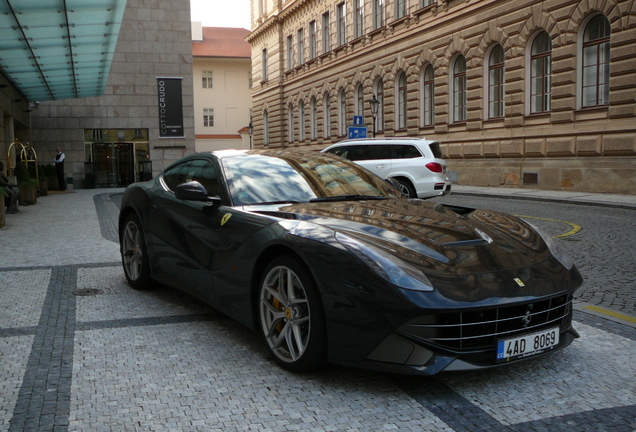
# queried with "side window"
point(366, 152)
point(405, 152)
point(197, 170)
point(344, 151)
point(384, 152)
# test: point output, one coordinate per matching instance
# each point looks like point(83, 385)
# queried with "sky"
point(221, 13)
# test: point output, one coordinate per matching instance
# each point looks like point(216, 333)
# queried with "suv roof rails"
point(386, 139)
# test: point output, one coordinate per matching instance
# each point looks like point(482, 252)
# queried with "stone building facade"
point(537, 94)
point(117, 138)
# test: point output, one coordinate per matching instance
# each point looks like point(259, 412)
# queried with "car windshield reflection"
point(261, 179)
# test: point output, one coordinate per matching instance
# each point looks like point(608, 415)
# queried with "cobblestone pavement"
point(81, 351)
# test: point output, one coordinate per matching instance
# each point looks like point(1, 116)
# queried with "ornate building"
point(523, 93)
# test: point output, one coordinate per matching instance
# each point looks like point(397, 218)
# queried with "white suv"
point(415, 163)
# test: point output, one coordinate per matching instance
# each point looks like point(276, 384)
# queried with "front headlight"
point(555, 248)
point(389, 267)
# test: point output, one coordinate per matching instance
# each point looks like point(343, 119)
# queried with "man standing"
point(59, 168)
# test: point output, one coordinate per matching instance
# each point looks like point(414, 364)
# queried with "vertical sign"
point(170, 108)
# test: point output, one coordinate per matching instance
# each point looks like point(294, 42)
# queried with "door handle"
point(379, 166)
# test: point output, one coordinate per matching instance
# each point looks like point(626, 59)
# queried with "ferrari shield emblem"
point(226, 217)
point(519, 282)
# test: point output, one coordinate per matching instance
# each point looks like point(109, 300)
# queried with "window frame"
point(326, 34)
point(379, 95)
point(602, 47)
point(545, 77)
point(207, 79)
point(378, 14)
point(427, 96)
point(458, 77)
point(290, 52)
point(358, 18)
point(342, 113)
point(495, 83)
point(312, 40)
point(326, 121)
point(208, 114)
point(341, 27)
point(300, 43)
point(401, 98)
point(264, 65)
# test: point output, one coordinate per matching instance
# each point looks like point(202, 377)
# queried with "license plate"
point(527, 345)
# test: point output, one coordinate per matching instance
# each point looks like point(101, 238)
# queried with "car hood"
point(440, 239)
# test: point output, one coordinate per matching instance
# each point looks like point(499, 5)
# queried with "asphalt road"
point(600, 240)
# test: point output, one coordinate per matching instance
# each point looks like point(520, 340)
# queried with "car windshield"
point(291, 178)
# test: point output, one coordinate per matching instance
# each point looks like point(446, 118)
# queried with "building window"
point(400, 9)
point(264, 64)
point(427, 96)
point(301, 46)
point(313, 119)
point(401, 100)
point(326, 38)
point(208, 117)
point(596, 62)
point(342, 113)
point(326, 105)
point(424, 3)
point(360, 100)
point(342, 24)
point(358, 23)
point(207, 79)
point(290, 123)
point(265, 128)
point(301, 119)
point(541, 74)
point(458, 91)
point(290, 52)
point(378, 14)
point(379, 92)
point(312, 40)
point(496, 70)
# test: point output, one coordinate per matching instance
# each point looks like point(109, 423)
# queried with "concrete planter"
point(44, 187)
point(28, 194)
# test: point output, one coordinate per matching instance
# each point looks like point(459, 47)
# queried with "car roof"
point(389, 140)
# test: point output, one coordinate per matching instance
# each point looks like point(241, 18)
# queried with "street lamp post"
point(375, 104)
point(250, 129)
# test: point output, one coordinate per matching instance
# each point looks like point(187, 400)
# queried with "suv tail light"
point(435, 167)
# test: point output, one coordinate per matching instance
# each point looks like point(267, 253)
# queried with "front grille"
point(480, 329)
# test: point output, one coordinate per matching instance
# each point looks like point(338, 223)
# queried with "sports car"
point(331, 264)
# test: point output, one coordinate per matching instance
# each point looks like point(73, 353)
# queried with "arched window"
point(541, 74)
point(313, 119)
point(401, 100)
point(301, 120)
point(496, 69)
point(290, 122)
point(265, 128)
point(379, 92)
point(596, 62)
point(427, 96)
point(326, 121)
point(342, 113)
point(360, 100)
point(458, 90)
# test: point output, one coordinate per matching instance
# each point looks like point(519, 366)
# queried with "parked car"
point(415, 163)
point(330, 263)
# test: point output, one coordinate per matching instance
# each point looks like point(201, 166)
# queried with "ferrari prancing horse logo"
point(519, 282)
point(226, 217)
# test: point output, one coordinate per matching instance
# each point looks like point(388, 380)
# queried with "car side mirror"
point(194, 191)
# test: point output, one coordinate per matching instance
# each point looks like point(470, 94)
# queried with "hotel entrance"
point(113, 155)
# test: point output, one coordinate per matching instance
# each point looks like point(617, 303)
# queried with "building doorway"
point(112, 156)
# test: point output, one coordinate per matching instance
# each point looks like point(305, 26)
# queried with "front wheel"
point(134, 255)
point(291, 317)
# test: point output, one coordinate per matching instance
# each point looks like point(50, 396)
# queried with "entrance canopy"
point(58, 49)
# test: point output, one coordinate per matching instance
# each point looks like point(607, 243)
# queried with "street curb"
point(555, 200)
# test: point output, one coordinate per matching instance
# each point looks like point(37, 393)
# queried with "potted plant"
point(44, 183)
point(28, 186)
point(3, 218)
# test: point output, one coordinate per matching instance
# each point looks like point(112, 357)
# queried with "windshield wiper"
point(276, 202)
point(347, 198)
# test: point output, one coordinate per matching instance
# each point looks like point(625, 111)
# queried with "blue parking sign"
point(358, 120)
point(357, 132)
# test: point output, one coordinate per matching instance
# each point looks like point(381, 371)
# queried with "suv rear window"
point(437, 152)
point(405, 152)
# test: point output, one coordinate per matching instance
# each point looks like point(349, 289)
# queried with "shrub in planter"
point(44, 184)
point(28, 186)
point(51, 177)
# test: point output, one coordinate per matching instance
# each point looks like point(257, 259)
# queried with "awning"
point(58, 49)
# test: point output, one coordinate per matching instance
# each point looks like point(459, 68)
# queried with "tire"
point(134, 255)
point(407, 188)
point(292, 321)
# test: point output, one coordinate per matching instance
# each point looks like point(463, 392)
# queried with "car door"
point(183, 230)
point(374, 157)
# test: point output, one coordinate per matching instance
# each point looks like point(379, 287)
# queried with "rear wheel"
point(291, 317)
point(407, 188)
point(134, 255)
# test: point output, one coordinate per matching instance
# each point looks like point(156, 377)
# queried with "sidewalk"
point(584, 198)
